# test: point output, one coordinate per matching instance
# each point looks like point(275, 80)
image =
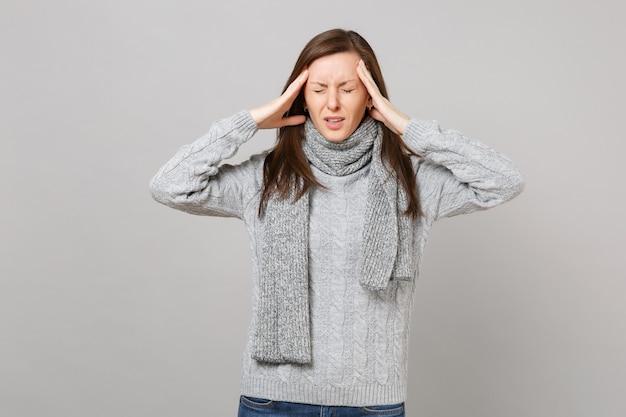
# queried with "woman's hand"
point(271, 115)
point(382, 109)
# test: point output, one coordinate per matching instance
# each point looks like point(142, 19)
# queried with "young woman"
point(338, 213)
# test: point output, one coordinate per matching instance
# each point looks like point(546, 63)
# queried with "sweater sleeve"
point(457, 174)
point(193, 180)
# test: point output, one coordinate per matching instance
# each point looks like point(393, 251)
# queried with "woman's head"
point(331, 58)
point(334, 96)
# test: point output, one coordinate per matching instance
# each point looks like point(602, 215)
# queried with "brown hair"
point(287, 167)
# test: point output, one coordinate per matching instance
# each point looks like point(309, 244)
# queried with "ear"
point(369, 101)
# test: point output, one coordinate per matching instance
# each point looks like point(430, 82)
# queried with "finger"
point(376, 115)
point(293, 120)
point(367, 79)
point(297, 84)
point(291, 92)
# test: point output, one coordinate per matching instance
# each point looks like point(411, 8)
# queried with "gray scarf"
point(282, 333)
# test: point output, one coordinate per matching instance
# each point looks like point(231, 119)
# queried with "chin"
point(337, 135)
point(334, 135)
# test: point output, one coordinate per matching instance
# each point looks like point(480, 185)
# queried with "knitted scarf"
point(282, 332)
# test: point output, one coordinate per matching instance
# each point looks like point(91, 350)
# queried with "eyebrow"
point(341, 84)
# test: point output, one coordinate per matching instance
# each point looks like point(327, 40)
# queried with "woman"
point(338, 214)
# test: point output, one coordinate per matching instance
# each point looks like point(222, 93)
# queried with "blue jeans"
point(258, 407)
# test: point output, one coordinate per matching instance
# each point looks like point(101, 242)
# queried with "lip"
point(334, 123)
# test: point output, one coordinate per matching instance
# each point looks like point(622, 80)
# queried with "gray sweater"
point(359, 337)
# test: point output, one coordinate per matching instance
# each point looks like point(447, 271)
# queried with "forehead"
point(335, 66)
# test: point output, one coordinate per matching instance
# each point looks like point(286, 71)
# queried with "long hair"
point(286, 168)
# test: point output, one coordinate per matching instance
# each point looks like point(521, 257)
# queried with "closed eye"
point(349, 91)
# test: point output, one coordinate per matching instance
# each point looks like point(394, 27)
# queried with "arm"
point(460, 174)
point(192, 182)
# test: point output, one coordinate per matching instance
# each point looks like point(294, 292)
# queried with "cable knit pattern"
point(283, 323)
point(359, 337)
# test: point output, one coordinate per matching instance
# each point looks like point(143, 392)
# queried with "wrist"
point(402, 124)
point(256, 116)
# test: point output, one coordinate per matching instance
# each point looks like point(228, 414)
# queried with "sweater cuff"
point(245, 125)
point(418, 135)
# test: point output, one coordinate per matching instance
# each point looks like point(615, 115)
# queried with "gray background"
point(112, 305)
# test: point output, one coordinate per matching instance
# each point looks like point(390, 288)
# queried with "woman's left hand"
point(382, 109)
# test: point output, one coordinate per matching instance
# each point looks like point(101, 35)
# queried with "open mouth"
point(334, 122)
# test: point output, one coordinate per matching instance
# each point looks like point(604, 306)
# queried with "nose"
point(333, 101)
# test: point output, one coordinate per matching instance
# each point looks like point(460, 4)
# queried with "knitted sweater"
point(359, 337)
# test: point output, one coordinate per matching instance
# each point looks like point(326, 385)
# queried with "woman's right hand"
point(271, 115)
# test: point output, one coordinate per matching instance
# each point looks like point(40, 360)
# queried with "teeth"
point(334, 120)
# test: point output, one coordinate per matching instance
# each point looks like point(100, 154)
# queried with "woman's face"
point(334, 95)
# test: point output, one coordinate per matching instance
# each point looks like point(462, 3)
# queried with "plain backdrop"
point(113, 305)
